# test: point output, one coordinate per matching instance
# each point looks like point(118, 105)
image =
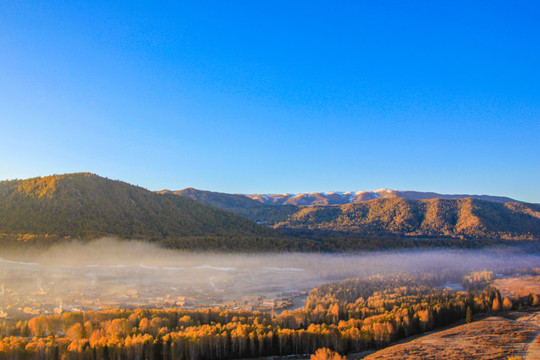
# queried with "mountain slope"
point(435, 217)
point(87, 206)
point(240, 204)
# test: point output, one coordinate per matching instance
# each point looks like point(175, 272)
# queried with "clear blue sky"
point(276, 96)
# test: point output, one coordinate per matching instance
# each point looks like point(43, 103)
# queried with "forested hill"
point(454, 218)
point(469, 218)
point(239, 204)
point(84, 205)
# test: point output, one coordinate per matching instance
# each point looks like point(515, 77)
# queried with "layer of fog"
point(79, 275)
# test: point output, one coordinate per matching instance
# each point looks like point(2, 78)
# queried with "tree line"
point(347, 316)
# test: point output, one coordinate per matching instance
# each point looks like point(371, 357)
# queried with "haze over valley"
point(109, 273)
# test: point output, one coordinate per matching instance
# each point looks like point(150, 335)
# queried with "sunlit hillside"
point(453, 218)
point(84, 205)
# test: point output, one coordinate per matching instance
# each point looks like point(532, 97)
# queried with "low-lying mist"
point(108, 272)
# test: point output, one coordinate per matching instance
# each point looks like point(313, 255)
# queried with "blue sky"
point(277, 96)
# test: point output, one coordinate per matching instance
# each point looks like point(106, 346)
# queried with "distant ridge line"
point(353, 197)
point(345, 197)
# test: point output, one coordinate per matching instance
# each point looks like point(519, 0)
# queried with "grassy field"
point(518, 288)
point(494, 337)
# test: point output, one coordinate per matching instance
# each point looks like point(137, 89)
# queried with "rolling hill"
point(87, 206)
point(423, 216)
point(469, 218)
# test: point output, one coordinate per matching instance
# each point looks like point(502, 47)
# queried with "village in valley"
point(13, 304)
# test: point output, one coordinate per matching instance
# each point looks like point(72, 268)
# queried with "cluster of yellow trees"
point(347, 316)
point(478, 279)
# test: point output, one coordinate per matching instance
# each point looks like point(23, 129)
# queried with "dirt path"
point(533, 352)
point(531, 349)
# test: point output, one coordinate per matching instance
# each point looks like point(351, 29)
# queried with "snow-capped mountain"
point(351, 197)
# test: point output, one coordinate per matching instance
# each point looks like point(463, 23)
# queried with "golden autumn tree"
point(507, 304)
point(326, 354)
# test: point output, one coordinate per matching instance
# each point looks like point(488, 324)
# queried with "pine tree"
point(469, 315)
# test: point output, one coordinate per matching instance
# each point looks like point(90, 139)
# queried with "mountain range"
point(354, 197)
point(87, 206)
point(381, 212)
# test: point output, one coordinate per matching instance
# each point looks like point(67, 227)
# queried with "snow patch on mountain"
point(347, 197)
